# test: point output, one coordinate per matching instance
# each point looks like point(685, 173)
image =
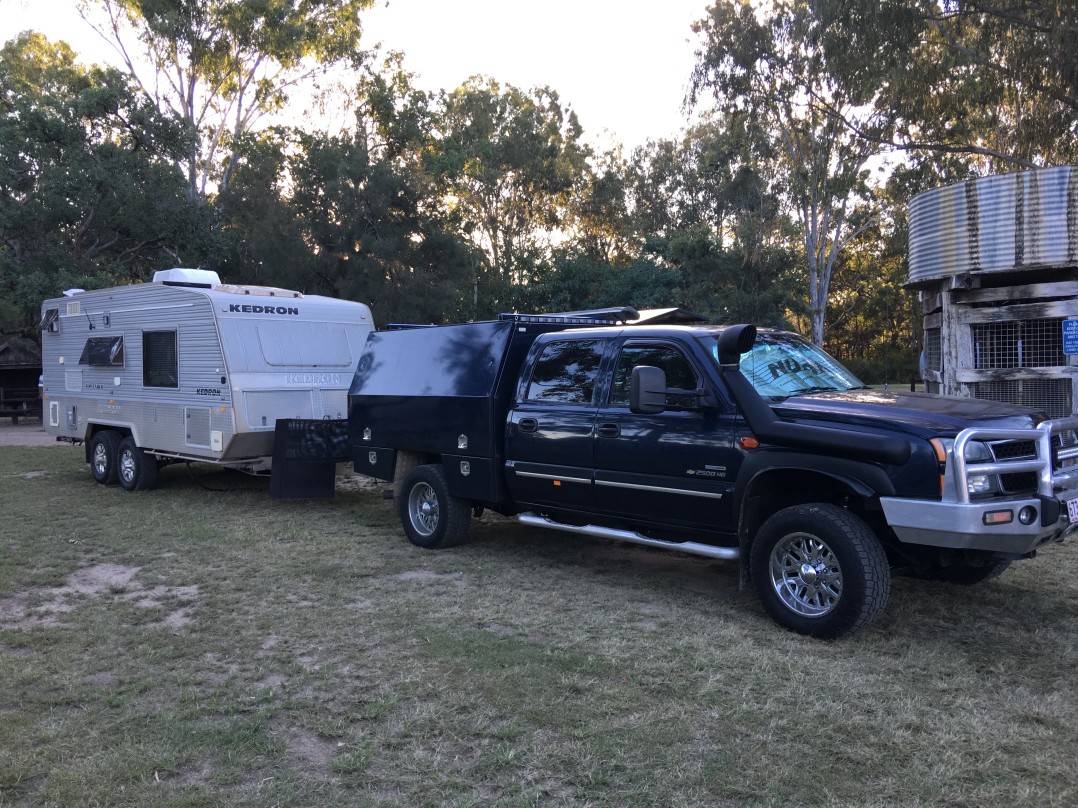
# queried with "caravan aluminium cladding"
point(249, 309)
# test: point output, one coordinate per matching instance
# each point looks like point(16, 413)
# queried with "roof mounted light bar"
point(620, 314)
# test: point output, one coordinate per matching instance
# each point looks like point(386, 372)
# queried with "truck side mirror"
point(647, 390)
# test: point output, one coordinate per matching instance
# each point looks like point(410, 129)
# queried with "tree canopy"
point(88, 195)
point(809, 124)
point(219, 65)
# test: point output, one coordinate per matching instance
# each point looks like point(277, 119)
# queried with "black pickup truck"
point(727, 443)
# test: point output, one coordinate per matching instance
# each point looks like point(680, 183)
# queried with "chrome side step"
point(693, 548)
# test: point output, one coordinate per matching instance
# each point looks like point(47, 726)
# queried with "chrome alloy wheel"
point(101, 459)
point(806, 575)
point(127, 466)
point(423, 509)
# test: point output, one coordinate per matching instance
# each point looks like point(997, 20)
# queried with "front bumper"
point(962, 525)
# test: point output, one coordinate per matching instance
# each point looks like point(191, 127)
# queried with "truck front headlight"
point(978, 452)
point(979, 484)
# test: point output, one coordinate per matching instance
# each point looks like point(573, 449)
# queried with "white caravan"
point(187, 368)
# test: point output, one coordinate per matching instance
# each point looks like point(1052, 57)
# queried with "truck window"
point(782, 365)
point(159, 360)
point(566, 372)
point(679, 374)
point(103, 352)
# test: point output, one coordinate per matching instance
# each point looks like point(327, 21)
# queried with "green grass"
point(186, 647)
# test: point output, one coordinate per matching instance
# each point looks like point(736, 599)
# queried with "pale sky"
point(622, 65)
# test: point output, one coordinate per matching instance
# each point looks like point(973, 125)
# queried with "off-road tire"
point(136, 469)
point(820, 570)
point(104, 456)
point(430, 516)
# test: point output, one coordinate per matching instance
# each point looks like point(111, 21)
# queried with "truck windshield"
point(781, 365)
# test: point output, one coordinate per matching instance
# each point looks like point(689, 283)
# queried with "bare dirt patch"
point(33, 434)
point(308, 750)
point(424, 575)
point(43, 607)
point(97, 579)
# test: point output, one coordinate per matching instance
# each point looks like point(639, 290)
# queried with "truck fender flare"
point(864, 481)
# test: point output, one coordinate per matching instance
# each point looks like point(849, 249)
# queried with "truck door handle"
point(609, 430)
point(528, 425)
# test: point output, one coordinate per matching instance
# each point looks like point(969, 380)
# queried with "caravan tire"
point(136, 469)
point(431, 517)
point(104, 456)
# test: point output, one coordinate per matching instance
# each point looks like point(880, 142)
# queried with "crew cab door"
point(678, 466)
point(549, 432)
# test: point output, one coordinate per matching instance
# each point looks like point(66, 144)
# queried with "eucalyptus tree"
point(509, 161)
point(767, 69)
point(221, 65)
point(875, 322)
point(993, 82)
point(354, 214)
point(373, 234)
point(89, 194)
point(600, 223)
point(576, 279)
point(709, 177)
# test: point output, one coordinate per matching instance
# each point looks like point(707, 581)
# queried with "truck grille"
point(1064, 445)
point(1014, 449)
point(1018, 483)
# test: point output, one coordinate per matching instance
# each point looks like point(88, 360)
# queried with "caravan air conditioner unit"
point(202, 278)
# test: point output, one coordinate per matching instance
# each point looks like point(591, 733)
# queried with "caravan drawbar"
point(187, 368)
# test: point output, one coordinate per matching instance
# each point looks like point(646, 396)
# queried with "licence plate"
point(1072, 510)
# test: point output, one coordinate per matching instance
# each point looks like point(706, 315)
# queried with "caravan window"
point(103, 352)
point(50, 320)
point(304, 344)
point(159, 360)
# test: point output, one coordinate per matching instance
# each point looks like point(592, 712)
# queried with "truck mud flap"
point(305, 458)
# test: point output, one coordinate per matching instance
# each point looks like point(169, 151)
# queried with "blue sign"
point(1070, 337)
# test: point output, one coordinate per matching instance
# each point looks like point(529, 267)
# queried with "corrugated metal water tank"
point(995, 260)
point(992, 224)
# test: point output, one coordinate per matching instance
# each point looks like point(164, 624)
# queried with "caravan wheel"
point(137, 470)
point(104, 449)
